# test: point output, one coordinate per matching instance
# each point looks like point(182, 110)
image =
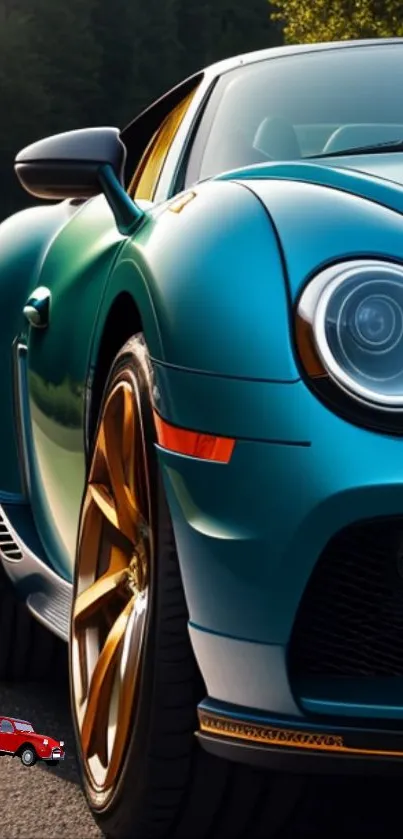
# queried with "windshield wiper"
point(374, 148)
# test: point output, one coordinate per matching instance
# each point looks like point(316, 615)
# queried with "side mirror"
point(80, 164)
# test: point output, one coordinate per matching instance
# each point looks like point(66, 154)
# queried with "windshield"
point(302, 105)
point(23, 726)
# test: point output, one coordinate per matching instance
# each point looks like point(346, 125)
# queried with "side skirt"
point(47, 595)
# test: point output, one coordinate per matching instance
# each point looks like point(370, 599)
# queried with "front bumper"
point(250, 534)
point(298, 747)
point(57, 754)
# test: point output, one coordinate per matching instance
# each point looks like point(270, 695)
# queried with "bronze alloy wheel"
point(112, 588)
point(135, 684)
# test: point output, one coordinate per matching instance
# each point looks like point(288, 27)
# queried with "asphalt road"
point(46, 803)
point(42, 802)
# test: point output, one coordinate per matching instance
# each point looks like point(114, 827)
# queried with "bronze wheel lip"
point(102, 775)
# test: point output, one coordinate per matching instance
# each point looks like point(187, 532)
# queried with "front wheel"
point(28, 757)
point(135, 684)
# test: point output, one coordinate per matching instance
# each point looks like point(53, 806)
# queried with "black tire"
point(28, 651)
point(168, 786)
point(28, 756)
point(53, 762)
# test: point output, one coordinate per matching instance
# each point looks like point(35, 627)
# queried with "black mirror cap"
point(67, 165)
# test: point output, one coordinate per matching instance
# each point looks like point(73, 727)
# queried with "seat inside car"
point(277, 138)
point(234, 152)
point(362, 134)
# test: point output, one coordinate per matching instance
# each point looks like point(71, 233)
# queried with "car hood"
point(388, 165)
point(331, 209)
point(42, 737)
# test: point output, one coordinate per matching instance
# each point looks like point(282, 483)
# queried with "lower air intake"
point(350, 620)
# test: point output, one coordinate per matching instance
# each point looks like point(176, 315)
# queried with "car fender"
point(324, 215)
point(207, 277)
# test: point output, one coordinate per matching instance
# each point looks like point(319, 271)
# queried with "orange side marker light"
point(193, 444)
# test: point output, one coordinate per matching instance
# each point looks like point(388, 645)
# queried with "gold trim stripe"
point(256, 733)
point(181, 203)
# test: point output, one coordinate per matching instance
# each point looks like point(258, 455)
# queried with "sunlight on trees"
point(311, 21)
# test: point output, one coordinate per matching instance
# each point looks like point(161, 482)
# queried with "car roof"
point(293, 49)
point(14, 719)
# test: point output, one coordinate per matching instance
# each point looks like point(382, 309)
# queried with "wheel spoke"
point(111, 605)
point(129, 666)
point(130, 454)
point(119, 558)
point(128, 427)
point(117, 426)
point(105, 502)
point(97, 594)
point(93, 732)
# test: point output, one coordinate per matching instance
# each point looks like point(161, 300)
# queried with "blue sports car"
point(202, 438)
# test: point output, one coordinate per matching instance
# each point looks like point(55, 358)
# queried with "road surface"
point(47, 803)
point(42, 802)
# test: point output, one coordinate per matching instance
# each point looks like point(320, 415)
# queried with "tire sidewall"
point(134, 356)
point(30, 762)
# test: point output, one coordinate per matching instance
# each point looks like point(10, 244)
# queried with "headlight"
point(350, 327)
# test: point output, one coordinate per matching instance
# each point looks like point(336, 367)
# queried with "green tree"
point(49, 78)
point(149, 47)
point(24, 104)
point(156, 52)
point(72, 63)
point(139, 54)
point(312, 21)
point(63, 35)
point(216, 29)
point(23, 101)
point(238, 27)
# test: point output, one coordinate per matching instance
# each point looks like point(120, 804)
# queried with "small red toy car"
point(18, 738)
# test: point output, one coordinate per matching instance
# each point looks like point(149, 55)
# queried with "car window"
point(300, 105)
point(6, 727)
point(24, 726)
point(146, 176)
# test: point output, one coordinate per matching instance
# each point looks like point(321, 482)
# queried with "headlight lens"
point(355, 314)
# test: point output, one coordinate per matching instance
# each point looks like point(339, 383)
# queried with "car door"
point(72, 276)
point(7, 736)
point(76, 265)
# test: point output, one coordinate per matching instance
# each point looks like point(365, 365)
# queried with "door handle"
point(37, 308)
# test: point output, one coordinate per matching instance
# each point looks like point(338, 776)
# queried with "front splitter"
point(309, 749)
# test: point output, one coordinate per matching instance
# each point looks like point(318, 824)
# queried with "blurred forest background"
point(74, 63)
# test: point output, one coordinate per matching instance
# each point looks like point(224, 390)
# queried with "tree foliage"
point(23, 99)
point(312, 21)
point(73, 63)
point(226, 27)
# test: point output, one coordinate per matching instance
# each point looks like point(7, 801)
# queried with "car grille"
point(350, 619)
point(8, 546)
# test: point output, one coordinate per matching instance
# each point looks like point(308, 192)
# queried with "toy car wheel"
point(135, 684)
point(53, 762)
point(28, 757)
